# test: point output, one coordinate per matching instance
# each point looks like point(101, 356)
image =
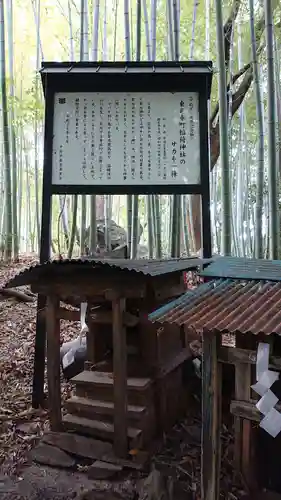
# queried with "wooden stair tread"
point(96, 425)
point(102, 406)
point(106, 379)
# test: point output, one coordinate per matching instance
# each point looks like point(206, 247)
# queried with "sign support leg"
point(45, 243)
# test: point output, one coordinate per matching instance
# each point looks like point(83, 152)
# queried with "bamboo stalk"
point(224, 157)
point(272, 167)
point(260, 159)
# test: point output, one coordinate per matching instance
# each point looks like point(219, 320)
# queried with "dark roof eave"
point(124, 266)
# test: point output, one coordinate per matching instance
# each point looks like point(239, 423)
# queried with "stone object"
point(118, 235)
point(154, 487)
point(103, 470)
point(50, 455)
point(126, 464)
point(80, 446)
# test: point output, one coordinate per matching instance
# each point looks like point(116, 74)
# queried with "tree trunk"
point(8, 182)
point(246, 76)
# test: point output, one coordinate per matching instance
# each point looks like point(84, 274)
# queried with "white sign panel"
point(133, 139)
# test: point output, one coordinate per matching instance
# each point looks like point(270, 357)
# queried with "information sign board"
point(126, 138)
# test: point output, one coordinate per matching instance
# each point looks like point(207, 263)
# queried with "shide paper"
point(262, 360)
point(83, 311)
point(265, 382)
point(68, 358)
point(267, 402)
point(271, 422)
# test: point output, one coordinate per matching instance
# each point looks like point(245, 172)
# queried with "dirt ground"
point(20, 426)
point(43, 483)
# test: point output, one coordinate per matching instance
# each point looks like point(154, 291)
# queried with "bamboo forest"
point(241, 37)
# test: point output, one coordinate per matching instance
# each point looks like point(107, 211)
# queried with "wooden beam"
point(62, 313)
point(99, 317)
point(234, 355)
point(120, 379)
point(211, 413)
point(91, 345)
point(106, 317)
point(248, 410)
point(53, 362)
point(88, 288)
point(166, 292)
point(173, 363)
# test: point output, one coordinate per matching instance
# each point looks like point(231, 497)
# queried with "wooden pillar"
point(242, 426)
point(211, 425)
point(120, 378)
point(91, 343)
point(53, 362)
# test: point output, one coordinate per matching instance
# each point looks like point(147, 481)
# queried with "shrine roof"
point(106, 267)
point(227, 306)
point(243, 268)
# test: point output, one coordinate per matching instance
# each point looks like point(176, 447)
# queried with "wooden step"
point(99, 429)
point(99, 386)
point(102, 379)
point(91, 408)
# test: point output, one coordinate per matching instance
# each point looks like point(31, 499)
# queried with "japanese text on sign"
point(134, 139)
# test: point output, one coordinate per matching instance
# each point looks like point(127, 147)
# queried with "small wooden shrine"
point(131, 387)
point(237, 308)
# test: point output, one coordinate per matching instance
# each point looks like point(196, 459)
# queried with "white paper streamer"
point(68, 349)
point(68, 359)
point(271, 423)
point(83, 311)
point(266, 380)
point(267, 402)
point(262, 360)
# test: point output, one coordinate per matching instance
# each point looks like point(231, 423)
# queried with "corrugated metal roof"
point(227, 306)
point(143, 266)
point(243, 268)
